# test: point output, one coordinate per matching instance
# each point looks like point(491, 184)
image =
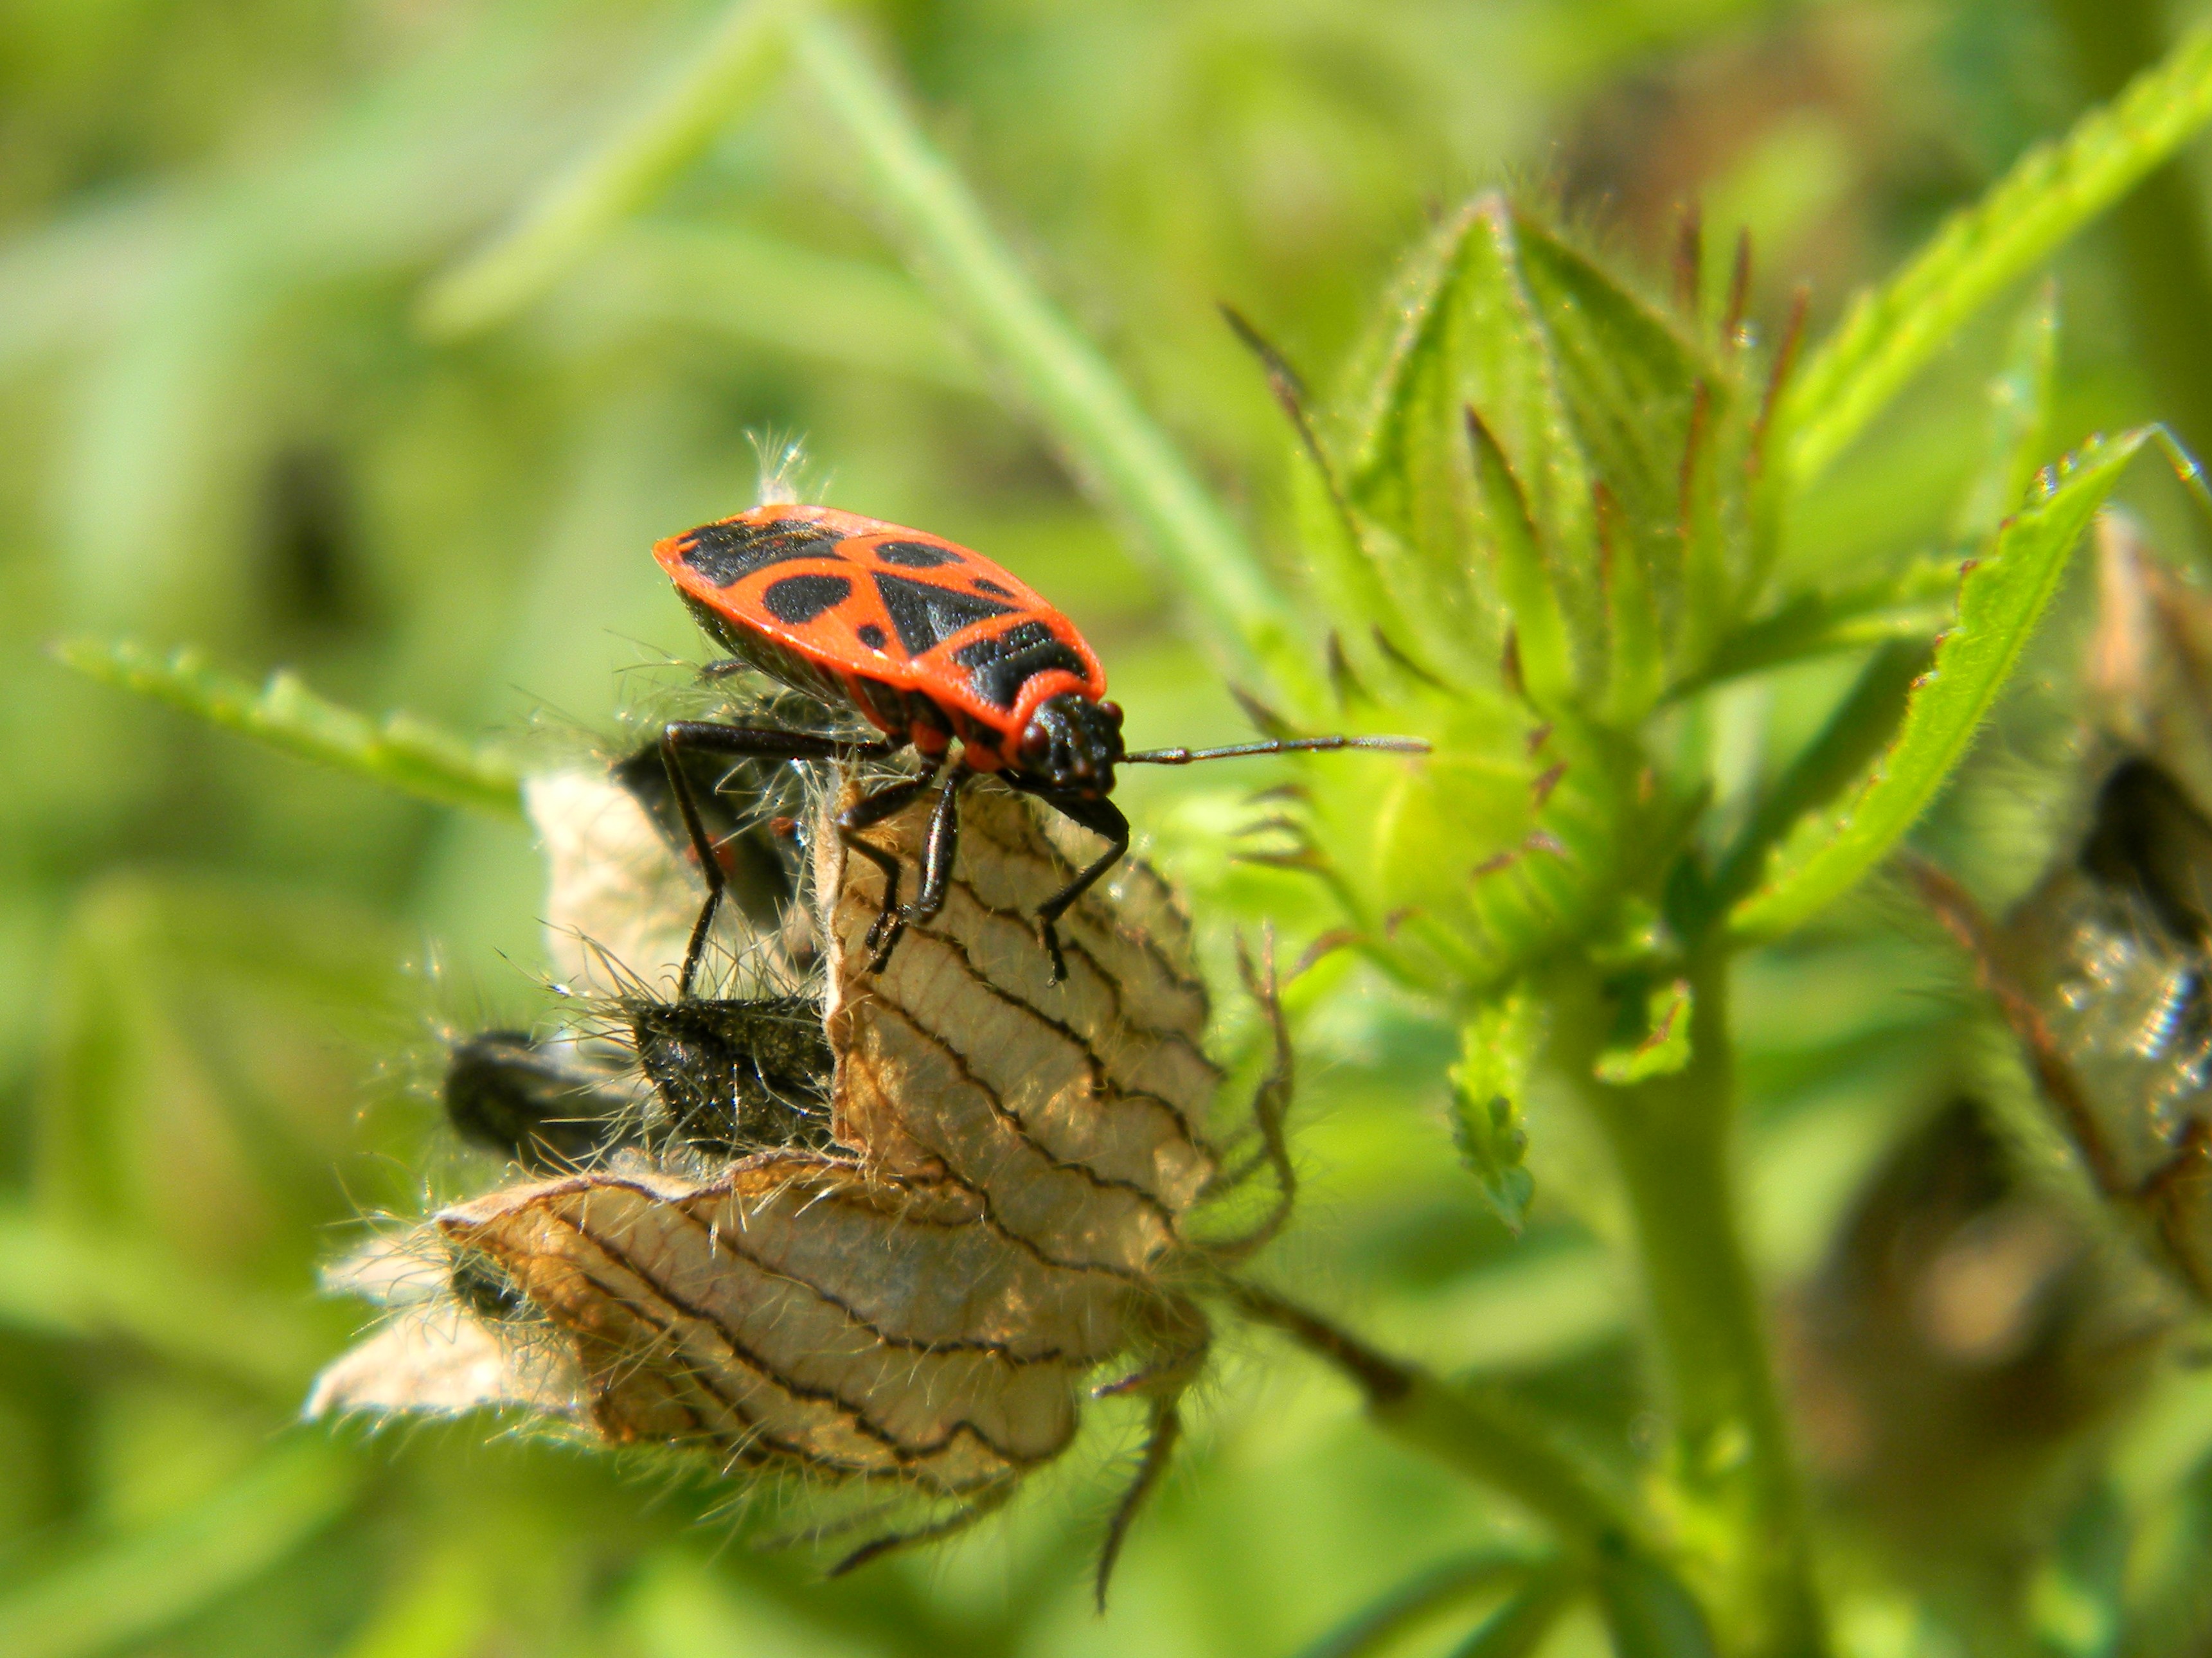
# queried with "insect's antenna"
point(1276, 745)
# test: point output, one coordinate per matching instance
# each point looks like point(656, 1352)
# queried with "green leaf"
point(1498, 1049)
point(1543, 444)
point(401, 753)
point(2051, 192)
point(1436, 1590)
point(1481, 504)
point(1113, 446)
point(709, 84)
point(1523, 581)
point(1643, 406)
point(1913, 603)
point(2020, 418)
point(135, 1587)
point(1654, 1037)
point(1862, 723)
point(2000, 602)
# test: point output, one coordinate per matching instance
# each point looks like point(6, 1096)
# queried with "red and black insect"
point(928, 643)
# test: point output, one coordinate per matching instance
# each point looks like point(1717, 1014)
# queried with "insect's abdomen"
point(786, 666)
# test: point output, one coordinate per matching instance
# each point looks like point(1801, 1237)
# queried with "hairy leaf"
point(2000, 601)
point(2051, 192)
point(1472, 339)
point(401, 753)
point(1498, 1049)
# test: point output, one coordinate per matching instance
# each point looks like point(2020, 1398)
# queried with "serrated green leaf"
point(401, 753)
point(706, 86)
point(1654, 1037)
point(2051, 191)
point(1862, 723)
point(1498, 1050)
point(2020, 418)
point(2000, 601)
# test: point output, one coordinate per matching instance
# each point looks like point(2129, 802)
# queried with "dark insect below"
point(508, 1094)
point(736, 1077)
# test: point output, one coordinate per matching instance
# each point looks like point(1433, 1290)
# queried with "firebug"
point(929, 642)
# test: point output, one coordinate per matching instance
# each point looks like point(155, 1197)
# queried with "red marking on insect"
point(930, 642)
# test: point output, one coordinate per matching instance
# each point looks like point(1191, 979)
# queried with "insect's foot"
point(1052, 949)
point(880, 952)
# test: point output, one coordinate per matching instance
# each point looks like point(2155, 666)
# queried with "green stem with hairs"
point(1673, 1139)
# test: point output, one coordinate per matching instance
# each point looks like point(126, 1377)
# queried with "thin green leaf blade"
point(2000, 602)
point(710, 84)
point(1113, 445)
point(2051, 192)
point(139, 1585)
point(401, 753)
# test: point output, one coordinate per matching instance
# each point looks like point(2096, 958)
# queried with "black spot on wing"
point(871, 635)
point(999, 667)
point(926, 614)
point(727, 553)
point(916, 554)
point(800, 598)
point(983, 584)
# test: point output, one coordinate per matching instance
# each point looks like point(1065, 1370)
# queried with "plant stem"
point(1490, 1439)
point(1672, 1139)
point(1482, 1434)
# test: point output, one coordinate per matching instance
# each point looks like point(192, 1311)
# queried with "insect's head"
point(1073, 743)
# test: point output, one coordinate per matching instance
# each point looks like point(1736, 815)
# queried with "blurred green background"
point(222, 973)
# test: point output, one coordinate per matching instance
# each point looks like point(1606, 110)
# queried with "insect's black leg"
point(938, 849)
point(738, 742)
point(1102, 818)
point(890, 919)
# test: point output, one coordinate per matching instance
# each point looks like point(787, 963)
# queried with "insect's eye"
point(1113, 712)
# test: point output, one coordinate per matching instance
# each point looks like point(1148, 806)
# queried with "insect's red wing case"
point(867, 600)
